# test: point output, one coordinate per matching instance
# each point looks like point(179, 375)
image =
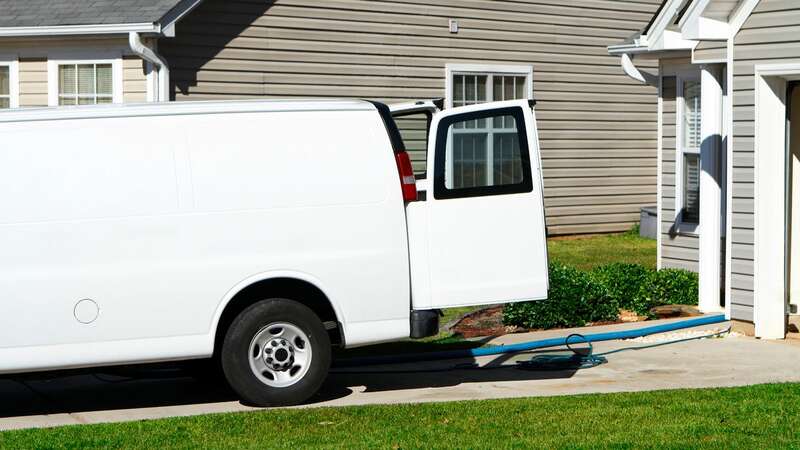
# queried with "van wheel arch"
point(290, 288)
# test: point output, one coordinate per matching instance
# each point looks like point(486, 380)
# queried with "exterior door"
point(479, 235)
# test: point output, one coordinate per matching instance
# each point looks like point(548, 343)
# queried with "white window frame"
point(489, 70)
point(113, 58)
point(682, 75)
point(12, 62)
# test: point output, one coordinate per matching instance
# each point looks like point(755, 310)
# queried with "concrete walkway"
point(729, 361)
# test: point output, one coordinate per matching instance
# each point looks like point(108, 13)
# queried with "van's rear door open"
point(479, 235)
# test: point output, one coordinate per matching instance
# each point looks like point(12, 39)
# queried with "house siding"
point(707, 51)
point(677, 251)
point(32, 82)
point(33, 55)
point(597, 127)
point(770, 35)
point(134, 80)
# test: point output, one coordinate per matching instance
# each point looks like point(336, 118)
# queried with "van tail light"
point(407, 180)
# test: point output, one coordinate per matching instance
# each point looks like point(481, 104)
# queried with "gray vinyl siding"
point(597, 126)
point(770, 35)
point(677, 251)
point(710, 51)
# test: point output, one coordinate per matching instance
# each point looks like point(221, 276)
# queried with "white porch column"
point(710, 190)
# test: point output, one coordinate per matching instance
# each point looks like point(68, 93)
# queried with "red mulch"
point(489, 321)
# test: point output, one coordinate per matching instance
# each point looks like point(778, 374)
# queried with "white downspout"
point(632, 71)
point(135, 42)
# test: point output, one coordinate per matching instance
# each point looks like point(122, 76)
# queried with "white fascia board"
point(68, 30)
point(694, 11)
point(176, 14)
point(664, 19)
point(672, 40)
point(739, 17)
point(703, 28)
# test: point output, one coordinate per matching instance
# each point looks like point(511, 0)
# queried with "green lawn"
point(591, 251)
point(762, 416)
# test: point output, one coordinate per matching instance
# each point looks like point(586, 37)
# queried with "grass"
point(763, 416)
point(587, 252)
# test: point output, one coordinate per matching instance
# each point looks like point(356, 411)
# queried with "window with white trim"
point(85, 84)
point(5, 87)
point(689, 151)
point(483, 152)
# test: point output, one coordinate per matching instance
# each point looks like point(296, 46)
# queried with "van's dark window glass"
point(483, 153)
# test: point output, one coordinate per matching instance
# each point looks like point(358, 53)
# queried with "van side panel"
point(156, 219)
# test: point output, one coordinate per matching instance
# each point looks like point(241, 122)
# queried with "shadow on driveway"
point(159, 386)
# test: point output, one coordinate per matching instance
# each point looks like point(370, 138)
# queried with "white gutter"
point(162, 93)
point(66, 30)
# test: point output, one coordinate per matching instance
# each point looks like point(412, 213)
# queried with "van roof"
point(182, 108)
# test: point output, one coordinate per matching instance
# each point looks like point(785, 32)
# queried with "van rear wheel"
point(276, 353)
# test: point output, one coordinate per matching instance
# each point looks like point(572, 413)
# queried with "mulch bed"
point(489, 321)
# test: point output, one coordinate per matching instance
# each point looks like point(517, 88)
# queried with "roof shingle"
point(37, 13)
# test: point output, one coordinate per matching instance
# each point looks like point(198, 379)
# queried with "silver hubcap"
point(280, 354)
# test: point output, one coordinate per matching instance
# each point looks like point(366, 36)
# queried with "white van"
point(259, 233)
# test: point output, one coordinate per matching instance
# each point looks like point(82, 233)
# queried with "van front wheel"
point(276, 353)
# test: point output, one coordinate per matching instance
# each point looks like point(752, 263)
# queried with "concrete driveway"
point(637, 365)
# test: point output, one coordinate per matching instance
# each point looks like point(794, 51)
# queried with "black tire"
point(236, 353)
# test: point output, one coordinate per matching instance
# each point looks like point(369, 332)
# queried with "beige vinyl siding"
point(710, 51)
point(770, 35)
point(597, 127)
point(32, 82)
point(134, 80)
point(33, 55)
point(677, 251)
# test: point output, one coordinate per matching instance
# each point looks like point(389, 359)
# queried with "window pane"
point(483, 157)
point(66, 79)
point(5, 81)
point(104, 100)
point(104, 79)
point(691, 188)
point(66, 101)
point(470, 89)
point(86, 100)
point(5, 103)
point(458, 90)
point(519, 91)
point(691, 114)
point(86, 79)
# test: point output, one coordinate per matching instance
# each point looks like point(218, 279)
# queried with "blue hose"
point(527, 346)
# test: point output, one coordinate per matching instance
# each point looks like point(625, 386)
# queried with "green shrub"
point(574, 299)
point(671, 287)
point(624, 283)
point(577, 297)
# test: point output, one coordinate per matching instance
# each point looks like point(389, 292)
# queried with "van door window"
point(482, 153)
